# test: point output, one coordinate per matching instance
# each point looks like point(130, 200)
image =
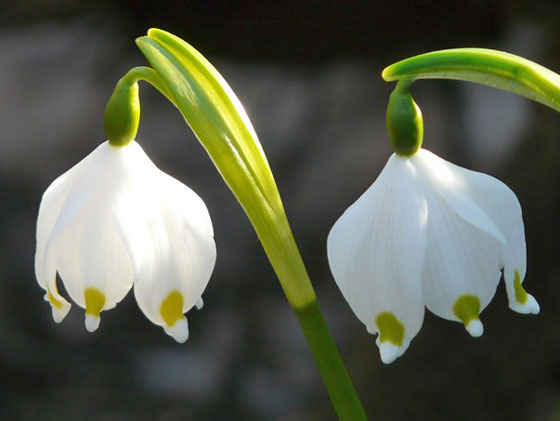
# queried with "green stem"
point(147, 74)
point(328, 360)
point(122, 113)
point(282, 251)
point(487, 67)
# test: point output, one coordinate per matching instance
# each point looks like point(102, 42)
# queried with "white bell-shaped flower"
point(428, 233)
point(114, 220)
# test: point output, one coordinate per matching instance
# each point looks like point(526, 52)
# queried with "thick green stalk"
point(316, 331)
point(220, 123)
point(487, 67)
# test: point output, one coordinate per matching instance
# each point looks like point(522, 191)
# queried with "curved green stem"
point(147, 74)
point(488, 67)
point(222, 126)
point(122, 113)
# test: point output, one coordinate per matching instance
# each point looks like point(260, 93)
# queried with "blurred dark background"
point(308, 73)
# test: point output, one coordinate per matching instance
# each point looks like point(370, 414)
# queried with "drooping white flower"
point(428, 233)
point(114, 220)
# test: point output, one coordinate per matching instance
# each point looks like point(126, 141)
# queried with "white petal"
point(179, 331)
point(443, 178)
point(376, 250)
point(49, 209)
point(169, 235)
point(64, 200)
point(199, 304)
point(461, 261)
point(475, 328)
point(91, 256)
point(92, 322)
point(499, 204)
point(84, 244)
point(52, 205)
point(59, 305)
point(82, 183)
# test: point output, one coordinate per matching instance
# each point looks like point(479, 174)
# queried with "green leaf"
point(216, 117)
point(488, 67)
point(221, 124)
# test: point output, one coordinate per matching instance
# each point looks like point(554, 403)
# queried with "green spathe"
point(487, 67)
point(404, 121)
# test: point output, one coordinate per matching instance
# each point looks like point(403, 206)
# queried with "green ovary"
point(520, 293)
point(390, 328)
point(467, 308)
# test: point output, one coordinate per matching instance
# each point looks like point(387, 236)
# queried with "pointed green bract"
point(487, 67)
point(214, 114)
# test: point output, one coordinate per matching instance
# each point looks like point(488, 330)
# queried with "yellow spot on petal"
point(52, 299)
point(520, 293)
point(171, 308)
point(467, 308)
point(390, 328)
point(95, 300)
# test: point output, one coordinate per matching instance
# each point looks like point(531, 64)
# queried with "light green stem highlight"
point(220, 123)
point(487, 67)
